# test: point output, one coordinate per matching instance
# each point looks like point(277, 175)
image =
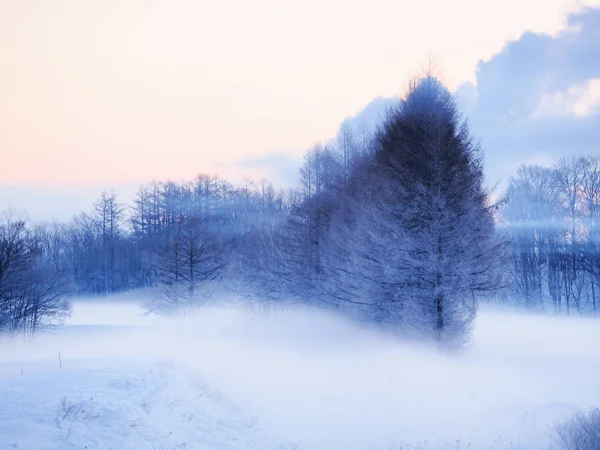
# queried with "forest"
point(393, 226)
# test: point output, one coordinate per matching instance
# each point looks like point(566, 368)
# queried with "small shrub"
point(69, 410)
point(580, 431)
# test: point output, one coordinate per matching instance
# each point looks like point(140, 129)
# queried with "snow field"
point(302, 378)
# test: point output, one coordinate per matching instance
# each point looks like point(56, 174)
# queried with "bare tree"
point(571, 173)
point(348, 148)
point(533, 219)
point(109, 214)
point(33, 284)
point(190, 259)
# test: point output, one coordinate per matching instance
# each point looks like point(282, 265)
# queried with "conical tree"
point(434, 213)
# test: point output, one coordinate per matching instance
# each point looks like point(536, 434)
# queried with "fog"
point(322, 381)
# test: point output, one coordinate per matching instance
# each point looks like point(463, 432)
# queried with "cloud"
point(371, 116)
point(579, 100)
point(539, 97)
point(466, 97)
point(279, 168)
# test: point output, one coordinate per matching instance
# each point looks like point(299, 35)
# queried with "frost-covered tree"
point(591, 209)
point(551, 218)
point(190, 259)
point(34, 282)
point(347, 148)
point(434, 221)
point(533, 220)
point(308, 223)
point(108, 212)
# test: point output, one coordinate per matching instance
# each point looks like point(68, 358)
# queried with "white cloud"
point(579, 100)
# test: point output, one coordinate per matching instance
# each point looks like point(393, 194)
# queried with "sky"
point(538, 99)
point(112, 94)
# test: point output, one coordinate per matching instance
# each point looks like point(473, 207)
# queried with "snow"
point(128, 406)
point(229, 378)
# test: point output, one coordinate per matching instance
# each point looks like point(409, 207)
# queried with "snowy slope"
point(227, 379)
point(123, 404)
point(107, 396)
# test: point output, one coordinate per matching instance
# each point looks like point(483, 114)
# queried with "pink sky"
point(125, 91)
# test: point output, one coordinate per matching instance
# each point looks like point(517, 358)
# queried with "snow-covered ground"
point(225, 378)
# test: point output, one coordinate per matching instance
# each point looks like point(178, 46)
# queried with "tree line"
point(552, 218)
point(392, 226)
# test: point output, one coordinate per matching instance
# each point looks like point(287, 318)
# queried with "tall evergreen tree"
point(435, 221)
